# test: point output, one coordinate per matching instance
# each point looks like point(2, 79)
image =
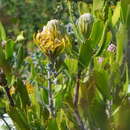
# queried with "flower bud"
point(85, 22)
point(20, 37)
point(3, 43)
point(111, 48)
point(52, 39)
point(100, 60)
point(53, 25)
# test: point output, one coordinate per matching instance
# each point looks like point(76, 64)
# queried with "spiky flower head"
point(85, 23)
point(52, 39)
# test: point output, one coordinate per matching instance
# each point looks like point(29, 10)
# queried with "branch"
point(76, 95)
point(75, 102)
point(78, 118)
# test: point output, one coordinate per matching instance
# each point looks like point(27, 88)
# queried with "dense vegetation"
point(64, 64)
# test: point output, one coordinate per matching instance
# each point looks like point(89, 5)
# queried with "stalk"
point(50, 95)
point(76, 95)
point(75, 102)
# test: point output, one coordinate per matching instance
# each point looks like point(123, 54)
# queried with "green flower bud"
point(85, 23)
point(20, 37)
point(54, 25)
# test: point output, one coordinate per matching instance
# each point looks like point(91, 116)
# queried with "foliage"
point(85, 86)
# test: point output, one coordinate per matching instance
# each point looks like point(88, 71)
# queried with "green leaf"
point(63, 125)
point(2, 57)
point(97, 114)
point(102, 83)
point(18, 118)
point(96, 33)
point(83, 7)
point(91, 104)
point(20, 56)
point(72, 65)
point(116, 14)
point(4, 64)
point(2, 32)
point(126, 84)
point(59, 100)
point(97, 4)
point(52, 125)
point(122, 116)
point(9, 48)
point(122, 40)
point(124, 10)
point(21, 89)
point(85, 55)
point(43, 96)
point(128, 16)
point(103, 40)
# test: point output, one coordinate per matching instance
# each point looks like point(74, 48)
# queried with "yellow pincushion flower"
point(51, 39)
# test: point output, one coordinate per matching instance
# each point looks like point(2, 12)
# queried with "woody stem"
point(75, 102)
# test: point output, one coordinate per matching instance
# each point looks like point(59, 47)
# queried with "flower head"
point(85, 22)
point(87, 17)
point(51, 39)
point(111, 48)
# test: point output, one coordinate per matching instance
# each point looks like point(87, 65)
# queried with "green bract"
point(85, 23)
